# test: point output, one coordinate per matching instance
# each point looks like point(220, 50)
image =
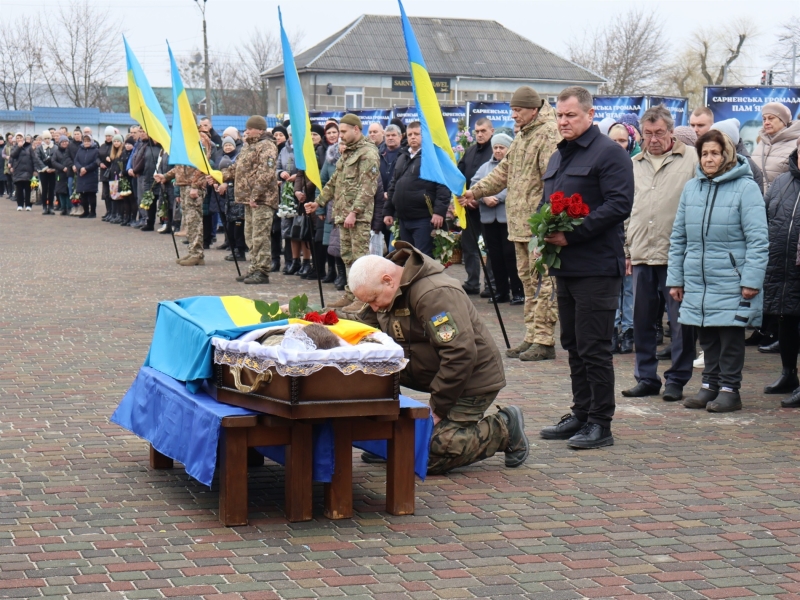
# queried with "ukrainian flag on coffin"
point(144, 106)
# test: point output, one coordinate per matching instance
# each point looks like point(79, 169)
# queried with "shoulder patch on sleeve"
point(444, 327)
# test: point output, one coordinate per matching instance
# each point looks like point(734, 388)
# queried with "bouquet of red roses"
point(562, 214)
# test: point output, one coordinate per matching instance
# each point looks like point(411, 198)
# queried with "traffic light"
point(769, 77)
point(764, 77)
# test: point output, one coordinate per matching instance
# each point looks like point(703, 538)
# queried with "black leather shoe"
point(517, 300)
point(665, 353)
point(486, 293)
point(725, 402)
point(276, 265)
point(773, 348)
point(294, 268)
point(756, 338)
point(568, 426)
point(785, 384)
point(672, 392)
point(792, 401)
point(500, 299)
point(703, 397)
point(642, 389)
point(370, 458)
point(592, 435)
point(330, 276)
point(626, 342)
point(471, 291)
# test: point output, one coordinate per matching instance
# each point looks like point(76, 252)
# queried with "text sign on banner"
point(451, 115)
point(382, 116)
point(499, 113)
point(616, 106)
point(678, 107)
point(403, 84)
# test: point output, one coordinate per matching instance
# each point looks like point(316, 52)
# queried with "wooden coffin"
point(324, 394)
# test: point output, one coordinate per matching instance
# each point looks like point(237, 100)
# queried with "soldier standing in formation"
point(352, 189)
point(451, 355)
point(256, 186)
point(522, 172)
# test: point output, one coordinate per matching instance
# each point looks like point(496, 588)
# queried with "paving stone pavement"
point(685, 505)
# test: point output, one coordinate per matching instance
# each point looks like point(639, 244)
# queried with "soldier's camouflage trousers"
point(192, 220)
point(354, 244)
point(540, 313)
point(466, 436)
point(257, 229)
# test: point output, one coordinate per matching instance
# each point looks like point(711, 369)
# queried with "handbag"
point(301, 230)
point(113, 189)
point(376, 243)
point(335, 243)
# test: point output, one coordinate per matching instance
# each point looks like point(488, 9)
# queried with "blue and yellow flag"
point(144, 105)
point(186, 146)
point(304, 156)
point(438, 160)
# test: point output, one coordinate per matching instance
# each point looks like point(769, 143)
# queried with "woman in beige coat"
point(777, 140)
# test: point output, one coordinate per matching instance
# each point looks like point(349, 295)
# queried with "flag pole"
point(231, 243)
point(317, 265)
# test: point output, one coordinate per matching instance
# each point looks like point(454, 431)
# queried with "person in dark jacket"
point(23, 167)
point(105, 162)
point(589, 280)
point(47, 174)
point(115, 172)
point(420, 205)
point(782, 280)
point(473, 159)
point(61, 161)
point(85, 167)
point(145, 162)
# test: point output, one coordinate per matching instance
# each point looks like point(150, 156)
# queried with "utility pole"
point(206, 73)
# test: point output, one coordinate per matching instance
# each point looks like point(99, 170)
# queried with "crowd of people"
point(683, 223)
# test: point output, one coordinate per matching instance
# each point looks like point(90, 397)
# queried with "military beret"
point(526, 97)
point(351, 119)
point(256, 122)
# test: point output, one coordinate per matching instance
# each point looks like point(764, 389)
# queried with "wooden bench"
point(240, 435)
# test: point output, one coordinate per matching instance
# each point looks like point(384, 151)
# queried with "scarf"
point(729, 159)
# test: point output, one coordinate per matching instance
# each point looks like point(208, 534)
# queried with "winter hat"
point(331, 125)
point(228, 140)
point(779, 110)
point(118, 138)
point(256, 122)
point(729, 127)
point(19, 134)
point(87, 135)
point(689, 137)
point(632, 120)
point(130, 140)
point(526, 97)
point(501, 139)
point(352, 120)
point(224, 162)
point(400, 124)
point(231, 132)
point(317, 128)
point(110, 131)
point(280, 129)
point(605, 125)
point(63, 138)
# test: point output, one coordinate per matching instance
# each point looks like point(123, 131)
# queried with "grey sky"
point(550, 23)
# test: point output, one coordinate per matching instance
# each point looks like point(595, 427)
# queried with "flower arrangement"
point(445, 244)
point(75, 198)
point(395, 231)
point(328, 318)
point(124, 188)
point(34, 183)
point(163, 209)
point(298, 308)
point(561, 214)
point(464, 138)
point(288, 206)
point(147, 200)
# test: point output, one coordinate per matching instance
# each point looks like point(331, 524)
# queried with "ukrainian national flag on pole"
point(304, 156)
point(186, 146)
point(144, 105)
point(438, 160)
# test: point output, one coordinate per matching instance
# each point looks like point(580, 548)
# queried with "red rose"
point(557, 196)
point(574, 210)
point(557, 205)
point(330, 318)
point(313, 317)
point(584, 209)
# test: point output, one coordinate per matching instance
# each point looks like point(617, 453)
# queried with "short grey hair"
point(582, 94)
point(654, 113)
point(366, 272)
point(393, 128)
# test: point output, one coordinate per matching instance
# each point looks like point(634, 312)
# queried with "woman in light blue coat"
point(717, 260)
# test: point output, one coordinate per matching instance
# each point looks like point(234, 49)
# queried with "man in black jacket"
point(592, 264)
point(419, 204)
point(473, 159)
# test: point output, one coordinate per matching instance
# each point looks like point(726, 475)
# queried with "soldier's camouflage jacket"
point(254, 174)
point(354, 182)
point(521, 172)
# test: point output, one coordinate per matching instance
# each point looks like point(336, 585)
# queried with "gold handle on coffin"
point(265, 377)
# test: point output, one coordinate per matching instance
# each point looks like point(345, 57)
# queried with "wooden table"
point(240, 435)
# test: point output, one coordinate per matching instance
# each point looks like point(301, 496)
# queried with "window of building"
point(353, 98)
point(487, 97)
point(552, 100)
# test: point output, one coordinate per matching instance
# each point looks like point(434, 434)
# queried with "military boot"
point(539, 352)
point(517, 350)
point(518, 446)
point(353, 308)
point(345, 300)
point(257, 277)
point(191, 261)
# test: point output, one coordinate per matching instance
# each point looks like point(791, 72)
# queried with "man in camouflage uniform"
point(451, 355)
point(352, 189)
point(192, 185)
point(521, 172)
point(256, 186)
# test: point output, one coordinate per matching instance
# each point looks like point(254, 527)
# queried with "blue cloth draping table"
point(186, 427)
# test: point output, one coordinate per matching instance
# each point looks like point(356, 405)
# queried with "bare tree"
point(628, 52)
point(84, 56)
point(682, 77)
point(787, 42)
point(20, 64)
point(719, 49)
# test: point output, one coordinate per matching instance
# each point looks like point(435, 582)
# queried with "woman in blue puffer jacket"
point(717, 260)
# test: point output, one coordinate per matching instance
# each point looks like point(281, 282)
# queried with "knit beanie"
point(280, 129)
point(729, 127)
point(689, 137)
point(63, 138)
point(256, 122)
point(130, 140)
point(400, 124)
point(225, 162)
point(501, 139)
point(632, 120)
point(117, 138)
point(779, 110)
point(110, 131)
point(331, 125)
point(352, 120)
point(317, 128)
point(605, 125)
point(228, 140)
point(526, 97)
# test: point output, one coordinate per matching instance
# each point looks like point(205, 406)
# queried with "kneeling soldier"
point(451, 355)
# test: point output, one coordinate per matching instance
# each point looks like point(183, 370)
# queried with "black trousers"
point(208, 229)
point(275, 238)
point(89, 202)
point(503, 259)
point(48, 183)
point(235, 234)
point(586, 309)
point(724, 356)
point(790, 340)
point(471, 254)
point(648, 281)
point(23, 193)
